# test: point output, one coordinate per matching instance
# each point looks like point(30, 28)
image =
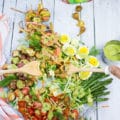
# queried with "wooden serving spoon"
point(31, 68)
point(73, 69)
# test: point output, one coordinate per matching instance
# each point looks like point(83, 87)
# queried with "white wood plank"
point(63, 19)
point(17, 37)
point(107, 15)
point(113, 111)
point(11, 16)
point(32, 3)
point(1, 6)
point(88, 38)
point(87, 17)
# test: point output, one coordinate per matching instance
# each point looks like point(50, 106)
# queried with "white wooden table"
point(102, 19)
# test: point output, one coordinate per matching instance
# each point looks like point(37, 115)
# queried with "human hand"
point(114, 70)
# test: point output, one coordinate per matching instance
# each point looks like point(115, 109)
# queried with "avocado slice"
point(112, 50)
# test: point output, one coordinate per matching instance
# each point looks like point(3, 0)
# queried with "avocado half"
point(112, 50)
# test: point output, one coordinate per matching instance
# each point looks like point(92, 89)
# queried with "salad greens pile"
point(54, 95)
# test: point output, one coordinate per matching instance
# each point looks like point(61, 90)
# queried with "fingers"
point(65, 1)
point(115, 71)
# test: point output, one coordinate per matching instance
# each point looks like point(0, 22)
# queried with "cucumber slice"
point(112, 50)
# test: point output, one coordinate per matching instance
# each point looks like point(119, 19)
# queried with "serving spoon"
point(31, 68)
point(73, 69)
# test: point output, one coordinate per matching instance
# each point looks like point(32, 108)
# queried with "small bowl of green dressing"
point(111, 52)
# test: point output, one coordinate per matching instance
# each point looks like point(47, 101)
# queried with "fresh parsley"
point(94, 51)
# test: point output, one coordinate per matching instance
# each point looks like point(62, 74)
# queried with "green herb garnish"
point(94, 51)
point(6, 81)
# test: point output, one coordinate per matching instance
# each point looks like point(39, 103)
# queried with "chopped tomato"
point(22, 104)
point(37, 113)
point(38, 117)
point(66, 113)
point(55, 118)
point(37, 105)
point(75, 114)
point(44, 118)
point(57, 52)
point(26, 116)
point(55, 98)
point(35, 118)
point(22, 110)
point(30, 111)
point(43, 113)
point(47, 100)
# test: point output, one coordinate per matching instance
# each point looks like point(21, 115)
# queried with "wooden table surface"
point(102, 19)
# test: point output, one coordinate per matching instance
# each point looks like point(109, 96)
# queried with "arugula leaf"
point(6, 81)
point(94, 51)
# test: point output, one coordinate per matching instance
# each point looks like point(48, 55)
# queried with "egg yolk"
point(64, 38)
point(93, 61)
point(84, 75)
point(70, 51)
point(83, 50)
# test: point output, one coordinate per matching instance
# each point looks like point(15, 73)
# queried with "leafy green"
point(33, 93)
point(34, 41)
point(58, 115)
point(94, 51)
point(6, 81)
point(13, 103)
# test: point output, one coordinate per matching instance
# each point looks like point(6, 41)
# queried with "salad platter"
point(54, 95)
